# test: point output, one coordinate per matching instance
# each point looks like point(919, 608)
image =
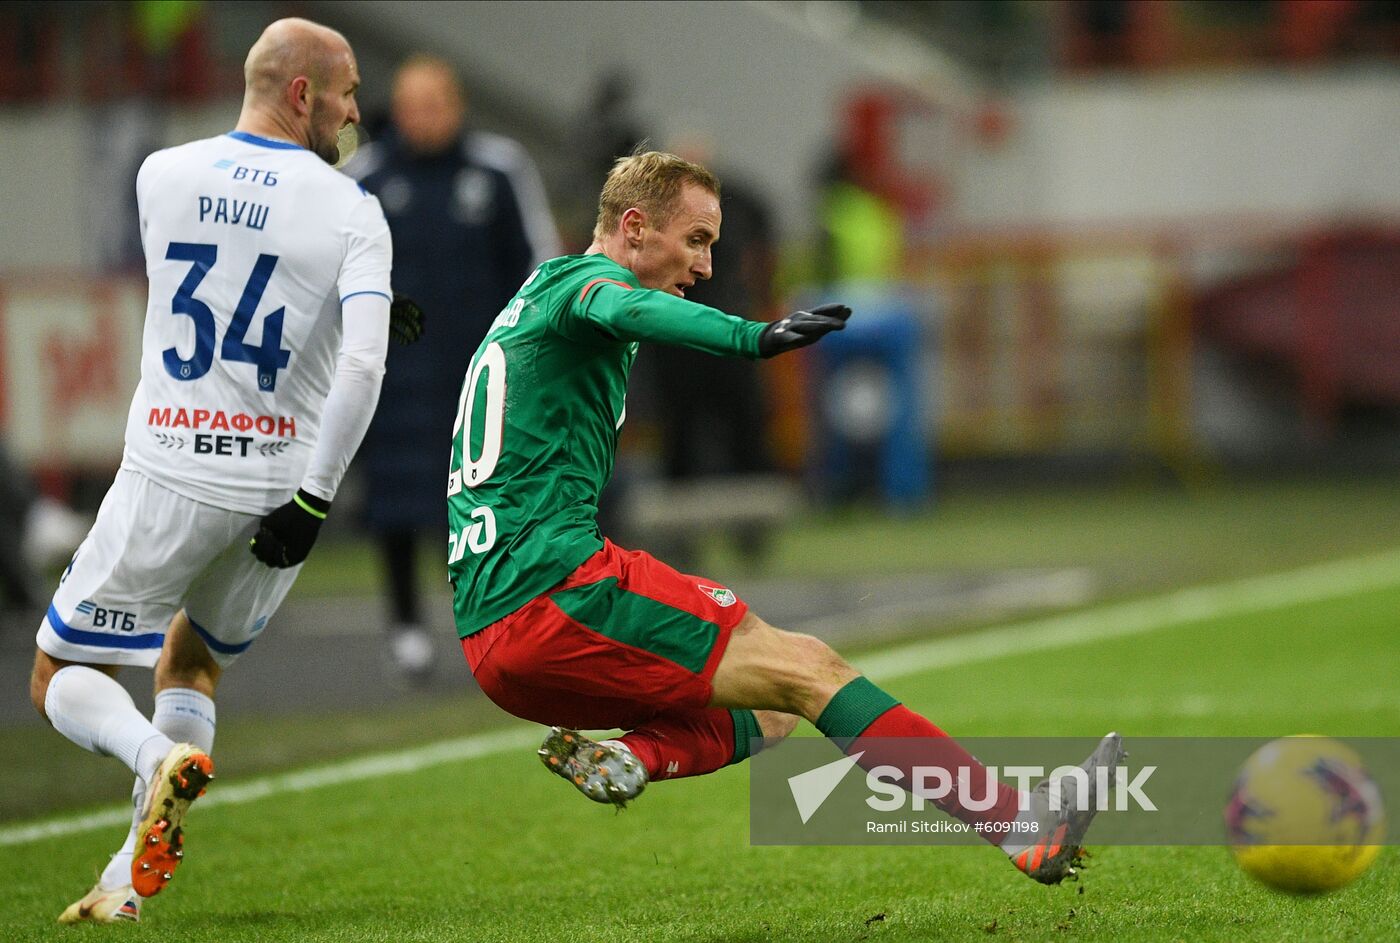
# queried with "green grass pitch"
point(496, 849)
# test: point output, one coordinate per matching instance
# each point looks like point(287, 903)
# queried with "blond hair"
point(651, 181)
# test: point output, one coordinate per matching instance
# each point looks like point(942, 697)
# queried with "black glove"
point(287, 533)
point(405, 319)
point(801, 328)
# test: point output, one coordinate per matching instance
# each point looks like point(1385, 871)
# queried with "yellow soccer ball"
point(1305, 816)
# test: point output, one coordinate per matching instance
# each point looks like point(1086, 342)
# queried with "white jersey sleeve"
point(251, 244)
point(355, 392)
point(369, 252)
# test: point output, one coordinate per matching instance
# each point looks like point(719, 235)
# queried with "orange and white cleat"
point(100, 905)
point(605, 772)
point(1054, 855)
point(180, 779)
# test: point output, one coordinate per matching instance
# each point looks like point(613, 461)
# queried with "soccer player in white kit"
point(265, 336)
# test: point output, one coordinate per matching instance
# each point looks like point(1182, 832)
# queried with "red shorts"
point(622, 639)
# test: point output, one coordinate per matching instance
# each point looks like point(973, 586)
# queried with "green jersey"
point(538, 422)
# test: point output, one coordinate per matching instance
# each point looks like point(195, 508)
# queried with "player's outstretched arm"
point(801, 328)
point(622, 312)
point(627, 313)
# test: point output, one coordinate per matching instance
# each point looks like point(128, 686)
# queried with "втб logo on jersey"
point(233, 211)
point(284, 428)
point(104, 618)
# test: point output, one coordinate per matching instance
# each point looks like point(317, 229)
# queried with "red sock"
point(922, 743)
point(692, 743)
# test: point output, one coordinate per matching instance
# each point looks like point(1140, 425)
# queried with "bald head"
point(301, 80)
point(289, 48)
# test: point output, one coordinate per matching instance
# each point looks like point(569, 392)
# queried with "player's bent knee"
point(772, 669)
point(45, 667)
point(824, 673)
point(816, 653)
point(819, 661)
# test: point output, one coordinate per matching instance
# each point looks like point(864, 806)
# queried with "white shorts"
point(151, 553)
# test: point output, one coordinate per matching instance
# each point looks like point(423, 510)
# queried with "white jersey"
point(251, 246)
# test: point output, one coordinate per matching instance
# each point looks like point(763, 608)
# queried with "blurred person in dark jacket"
point(470, 220)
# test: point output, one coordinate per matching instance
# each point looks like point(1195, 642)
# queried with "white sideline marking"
point(1182, 607)
point(369, 767)
point(1177, 608)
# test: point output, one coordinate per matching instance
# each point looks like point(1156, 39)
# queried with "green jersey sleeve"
point(620, 311)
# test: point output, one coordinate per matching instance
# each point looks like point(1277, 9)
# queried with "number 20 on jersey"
point(475, 471)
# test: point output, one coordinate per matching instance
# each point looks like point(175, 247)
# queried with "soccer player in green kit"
point(565, 628)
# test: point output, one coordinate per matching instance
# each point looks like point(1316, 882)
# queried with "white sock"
point(185, 716)
point(97, 714)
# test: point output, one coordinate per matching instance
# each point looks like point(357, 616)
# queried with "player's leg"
point(111, 608)
point(85, 703)
point(185, 680)
point(185, 663)
point(75, 701)
point(114, 605)
point(523, 678)
point(228, 605)
point(88, 706)
point(768, 668)
point(674, 745)
point(624, 642)
point(765, 667)
point(693, 743)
